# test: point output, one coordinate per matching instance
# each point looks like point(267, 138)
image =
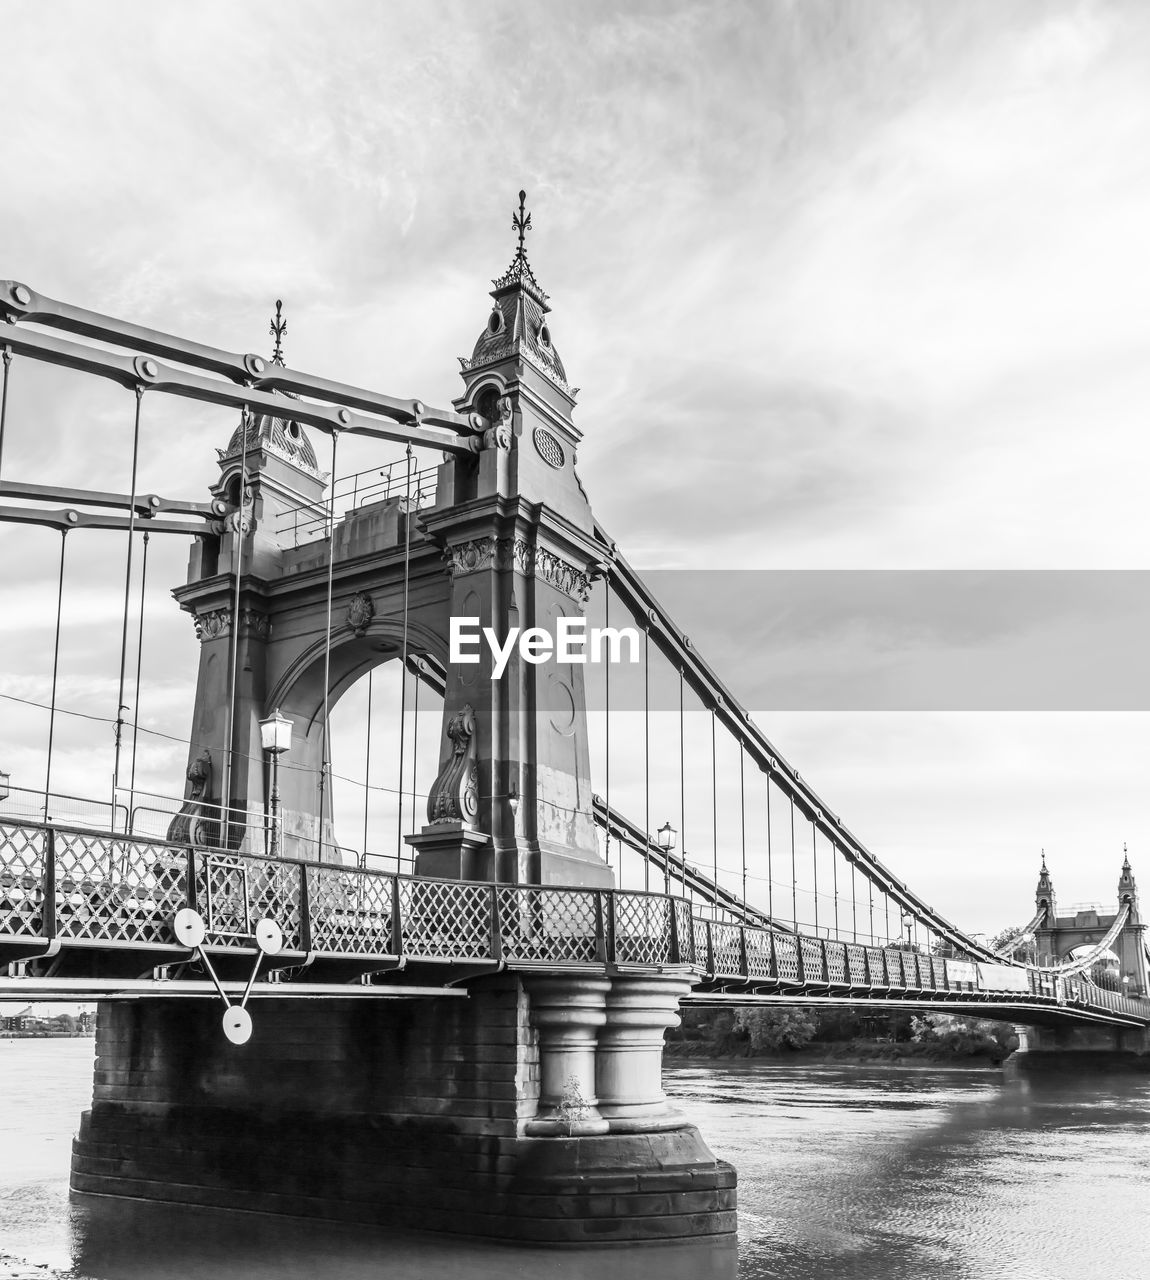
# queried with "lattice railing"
point(23, 869)
point(727, 950)
point(446, 919)
point(559, 926)
point(351, 912)
point(88, 889)
point(113, 891)
point(642, 928)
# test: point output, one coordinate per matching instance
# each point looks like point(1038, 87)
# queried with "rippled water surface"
point(843, 1172)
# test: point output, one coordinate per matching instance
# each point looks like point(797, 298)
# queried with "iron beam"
point(146, 504)
point(131, 372)
point(72, 519)
point(73, 989)
point(19, 302)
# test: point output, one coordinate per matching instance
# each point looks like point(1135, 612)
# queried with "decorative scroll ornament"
point(190, 825)
point(360, 611)
point(498, 435)
point(454, 795)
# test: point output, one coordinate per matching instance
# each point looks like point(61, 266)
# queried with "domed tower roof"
point(266, 431)
point(517, 325)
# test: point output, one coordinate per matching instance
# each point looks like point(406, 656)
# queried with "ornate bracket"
point(454, 795)
point(189, 824)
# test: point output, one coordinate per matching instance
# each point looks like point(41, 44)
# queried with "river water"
point(844, 1172)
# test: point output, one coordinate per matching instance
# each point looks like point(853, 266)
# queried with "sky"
point(848, 286)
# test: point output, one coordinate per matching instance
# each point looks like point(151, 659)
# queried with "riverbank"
point(13, 1269)
point(851, 1053)
point(840, 1036)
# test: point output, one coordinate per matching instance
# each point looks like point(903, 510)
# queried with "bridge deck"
point(87, 914)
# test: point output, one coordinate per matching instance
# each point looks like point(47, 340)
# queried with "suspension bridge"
point(482, 994)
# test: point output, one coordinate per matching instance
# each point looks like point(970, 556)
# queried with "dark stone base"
point(1077, 1062)
point(402, 1113)
point(663, 1186)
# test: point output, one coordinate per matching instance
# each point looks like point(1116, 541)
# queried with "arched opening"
point(372, 808)
point(367, 806)
point(1106, 971)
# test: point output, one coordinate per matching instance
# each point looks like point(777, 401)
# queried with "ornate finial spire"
point(277, 330)
point(1125, 857)
point(519, 273)
point(1044, 871)
point(521, 222)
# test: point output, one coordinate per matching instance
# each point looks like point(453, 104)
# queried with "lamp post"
point(665, 838)
point(275, 738)
point(4, 780)
point(908, 925)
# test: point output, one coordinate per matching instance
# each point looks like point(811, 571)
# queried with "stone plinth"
point(567, 1012)
point(629, 1062)
point(451, 851)
point(410, 1113)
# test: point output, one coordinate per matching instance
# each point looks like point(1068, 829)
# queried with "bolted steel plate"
point(188, 926)
point(237, 1024)
point(269, 937)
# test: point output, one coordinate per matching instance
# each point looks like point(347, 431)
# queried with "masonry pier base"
point(490, 1115)
point(1083, 1048)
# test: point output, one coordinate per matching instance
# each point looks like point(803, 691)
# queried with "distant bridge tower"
point(1058, 935)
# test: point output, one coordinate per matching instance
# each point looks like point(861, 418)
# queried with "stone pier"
point(531, 1110)
point(1083, 1048)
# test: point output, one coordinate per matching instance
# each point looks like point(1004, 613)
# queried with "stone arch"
point(299, 695)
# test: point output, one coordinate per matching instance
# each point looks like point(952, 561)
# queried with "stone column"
point(629, 1062)
point(568, 1012)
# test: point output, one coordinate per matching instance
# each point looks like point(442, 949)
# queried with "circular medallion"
point(548, 448)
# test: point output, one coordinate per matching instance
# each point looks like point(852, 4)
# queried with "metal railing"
point(308, 522)
point(66, 885)
point(59, 807)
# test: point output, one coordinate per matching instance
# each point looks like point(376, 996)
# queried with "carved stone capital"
point(518, 553)
point(254, 623)
point(217, 623)
point(471, 557)
point(562, 576)
point(213, 624)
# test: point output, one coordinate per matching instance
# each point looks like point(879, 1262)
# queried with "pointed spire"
point(1044, 871)
point(277, 330)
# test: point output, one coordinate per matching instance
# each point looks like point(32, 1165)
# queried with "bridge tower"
point(530, 1105)
point(517, 532)
point(1057, 935)
point(508, 544)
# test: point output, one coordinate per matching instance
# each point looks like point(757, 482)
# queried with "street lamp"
point(908, 925)
point(4, 779)
point(275, 738)
point(665, 838)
